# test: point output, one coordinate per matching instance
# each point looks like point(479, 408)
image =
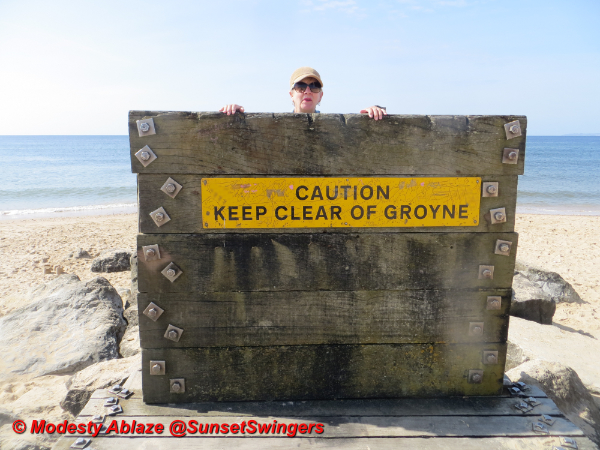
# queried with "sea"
point(58, 176)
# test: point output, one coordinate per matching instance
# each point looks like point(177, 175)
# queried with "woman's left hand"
point(375, 112)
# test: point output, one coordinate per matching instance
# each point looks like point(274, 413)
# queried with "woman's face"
point(306, 102)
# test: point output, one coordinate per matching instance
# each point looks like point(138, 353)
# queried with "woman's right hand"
point(231, 109)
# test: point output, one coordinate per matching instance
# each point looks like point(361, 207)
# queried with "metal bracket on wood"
point(510, 156)
point(486, 272)
point(114, 410)
point(151, 252)
point(503, 247)
point(173, 333)
point(115, 389)
point(80, 443)
point(475, 328)
point(523, 407)
point(111, 401)
point(145, 156)
point(177, 385)
point(171, 187)
point(160, 216)
point(539, 427)
point(490, 189)
point(157, 367)
point(494, 302)
point(490, 357)
point(568, 442)
point(125, 393)
point(498, 215)
point(548, 420)
point(512, 129)
point(153, 311)
point(145, 127)
point(475, 376)
point(172, 272)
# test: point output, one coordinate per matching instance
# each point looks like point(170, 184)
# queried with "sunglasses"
point(315, 87)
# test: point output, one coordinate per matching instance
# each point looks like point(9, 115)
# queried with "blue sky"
point(77, 67)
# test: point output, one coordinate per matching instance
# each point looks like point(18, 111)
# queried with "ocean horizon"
point(73, 175)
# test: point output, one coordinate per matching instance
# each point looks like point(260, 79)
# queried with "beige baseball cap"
point(303, 72)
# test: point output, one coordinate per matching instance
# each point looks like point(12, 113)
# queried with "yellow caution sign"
point(340, 202)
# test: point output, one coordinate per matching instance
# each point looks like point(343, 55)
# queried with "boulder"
point(550, 284)
point(68, 326)
point(82, 385)
point(130, 344)
point(79, 254)
point(529, 340)
point(530, 302)
point(134, 276)
point(125, 294)
point(112, 261)
point(564, 387)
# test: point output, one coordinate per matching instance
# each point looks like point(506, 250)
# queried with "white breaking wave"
point(21, 212)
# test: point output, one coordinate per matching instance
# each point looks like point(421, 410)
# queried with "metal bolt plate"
point(514, 391)
point(145, 156)
point(177, 385)
point(494, 302)
point(486, 272)
point(503, 247)
point(532, 401)
point(172, 272)
point(568, 442)
point(498, 215)
point(115, 389)
point(153, 311)
point(99, 418)
point(80, 443)
point(173, 333)
point(523, 407)
point(521, 385)
point(490, 189)
point(147, 129)
point(475, 328)
point(111, 401)
point(490, 357)
point(510, 156)
point(512, 129)
point(548, 420)
point(475, 376)
point(151, 252)
point(171, 187)
point(539, 427)
point(558, 447)
point(157, 367)
point(160, 216)
point(125, 393)
point(114, 410)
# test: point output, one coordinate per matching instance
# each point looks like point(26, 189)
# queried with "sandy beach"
point(565, 244)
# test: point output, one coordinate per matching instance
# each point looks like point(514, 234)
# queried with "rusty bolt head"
point(512, 156)
point(170, 188)
point(159, 217)
point(491, 189)
point(487, 273)
point(491, 359)
point(176, 387)
point(156, 368)
point(514, 129)
point(145, 156)
point(504, 247)
point(499, 216)
point(144, 127)
point(173, 334)
point(171, 273)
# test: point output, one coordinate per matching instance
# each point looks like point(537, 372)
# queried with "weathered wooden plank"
point(224, 319)
point(363, 426)
point(325, 144)
point(321, 372)
point(272, 443)
point(451, 406)
point(185, 210)
point(325, 261)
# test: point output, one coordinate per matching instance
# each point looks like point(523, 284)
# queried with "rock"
point(79, 254)
point(112, 261)
point(125, 295)
point(97, 376)
point(68, 326)
point(530, 302)
point(551, 284)
point(130, 344)
point(134, 275)
point(564, 387)
point(529, 340)
point(131, 315)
